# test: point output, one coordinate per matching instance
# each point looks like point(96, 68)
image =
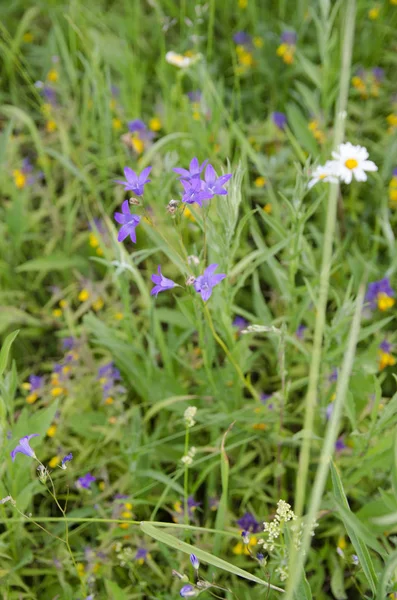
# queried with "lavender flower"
point(300, 332)
point(340, 444)
point(195, 562)
point(248, 523)
point(206, 282)
point(378, 73)
point(213, 184)
point(188, 591)
point(385, 346)
point(193, 192)
point(135, 183)
point(65, 460)
point(379, 294)
point(264, 398)
point(289, 37)
point(194, 170)
point(23, 447)
point(128, 221)
point(162, 284)
point(85, 481)
point(241, 38)
point(136, 125)
point(141, 555)
point(69, 343)
point(240, 323)
point(36, 382)
point(194, 96)
point(279, 119)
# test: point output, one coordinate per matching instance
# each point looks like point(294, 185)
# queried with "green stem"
point(304, 457)
point(186, 479)
point(327, 450)
point(210, 34)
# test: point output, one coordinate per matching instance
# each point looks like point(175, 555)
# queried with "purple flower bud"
point(279, 119)
point(195, 561)
point(245, 536)
point(188, 591)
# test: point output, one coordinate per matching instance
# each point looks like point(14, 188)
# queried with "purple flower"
point(334, 375)
point(109, 371)
point(188, 591)
point(240, 323)
point(36, 382)
point(289, 37)
point(136, 125)
point(192, 505)
point(135, 183)
point(206, 282)
point(394, 173)
point(115, 90)
point(378, 73)
point(241, 38)
point(128, 221)
point(193, 192)
point(340, 444)
point(264, 398)
point(23, 447)
point(194, 96)
point(161, 283)
point(329, 410)
point(213, 184)
point(49, 95)
point(195, 562)
point(300, 332)
point(65, 460)
point(69, 343)
point(279, 119)
point(141, 555)
point(385, 346)
point(194, 170)
point(85, 481)
point(248, 523)
point(378, 287)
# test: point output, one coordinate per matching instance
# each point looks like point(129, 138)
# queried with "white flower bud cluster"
point(189, 415)
point(282, 572)
point(188, 459)
point(274, 529)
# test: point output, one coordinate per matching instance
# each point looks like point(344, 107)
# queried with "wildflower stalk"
point(186, 478)
point(314, 373)
point(331, 436)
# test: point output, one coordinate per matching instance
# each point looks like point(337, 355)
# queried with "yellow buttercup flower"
point(119, 316)
point(242, 548)
point(53, 75)
point(54, 462)
point(386, 360)
point(98, 304)
point(260, 182)
point(93, 240)
point(137, 144)
point(109, 400)
point(57, 312)
point(342, 543)
point(384, 301)
point(31, 398)
point(50, 126)
point(373, 13)
point(155, 124)
point(57, 391)
point(268, 208)
point(51, 431)
point(128, 505)
point(19, 178)
point(84, 295)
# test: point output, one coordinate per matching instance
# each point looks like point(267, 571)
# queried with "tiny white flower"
point(179, 60)
point(187, 460)
point(327, 173)
point(352, 161)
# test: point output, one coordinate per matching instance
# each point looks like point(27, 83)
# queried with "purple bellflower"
point(136, 125)
point(193, 192)
point(206, 282)
point(241, 38)
point(23, 447)
point(188, 591)
point(141, 554)
point(279, 119)
point(289, 37)
point(65, 460)
point(85, 481)
point(240, 323)
point(213, 184)
point(194, 170)
point(378, 290)
point(195, 562)
point(135, 183)
point(248, 523)
point(36, 382)
point(385, 346)
point(128, 221)
point(162, 284)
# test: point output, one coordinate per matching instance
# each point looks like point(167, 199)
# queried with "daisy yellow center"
point(323, 176)
point(351, 163)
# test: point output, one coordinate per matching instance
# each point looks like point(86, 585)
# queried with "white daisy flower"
point(352, 161)
point(327, 173)
point(181, 61)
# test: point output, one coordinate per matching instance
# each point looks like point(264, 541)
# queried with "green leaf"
point(337, 581)
point(114, 592)
point(386, 575)
point(55, 262)
point(5, 350)
point(206, 557)
point(359, 546)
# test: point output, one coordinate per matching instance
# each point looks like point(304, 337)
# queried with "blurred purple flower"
point(195, 562)
point(213, 184)
point(188, 591)
point(85, 481)
point(279, 119)
point(385, 346)
point(194, 170)
point(289, 37)
point(36, 382)
point(329, 410)
point(378, 73)
point(378, 287)
point(264, 399)
point(240, 323)
point(394, 173)
point(141, 554)
point(136, 125)
point(333, 376)
point(193, 192)
point(23, 447)
point(205, 283)
point(194, 96)
point(135, 183)
point(65, 460)
point(162, 284)
point(340, 444)
point(69, 343)
point(192, 505)
point(241, 38)
point(128, 221)
point(300, 332)
point(248, 523)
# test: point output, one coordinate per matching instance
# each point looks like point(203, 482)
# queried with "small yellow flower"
point(109, 400)
point(258, 42)
point(128, 505)
point(57, 391)
point(373, 13)
point(384, 301)
point(259, 426)
point(57, 312)
point(50, 126)
point(80, 569)
point(242, 4)
point(26, 386)
point(93, 240)
point(386, 360)
point(124, 525)
point(31, 398)
point(54, 462)
point(27, 38)
point(19, 178)
point(119, 316)
point(84, 295)
point(53, 75)
point(137, 144)
point(116, 124)
point(245, 58)
point(155, 124)
point(63, 303)
point(66, 369)
point(102, 485)
point(392, 120)
point(98, 304)
point(189, 215)
point(260, 182)
point(342, 543)
point(178, 507)
point(51, 431)
point(99, 251)
point(126, 514)
point(268, 208)
point(241, 548)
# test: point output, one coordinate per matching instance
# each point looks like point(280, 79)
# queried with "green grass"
point(292, 257)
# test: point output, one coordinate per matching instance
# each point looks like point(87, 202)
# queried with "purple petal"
point(125, 207)
point(144, 174)
point(181, 172)
point(210, 175)
point(119, 218)
point(215, 279)
point(123, 233)
point(223, 179)
point(156, 290)
point(156, 279)
point(194, 165)
point(206, 294)
point(210, 270)
point(130, 175)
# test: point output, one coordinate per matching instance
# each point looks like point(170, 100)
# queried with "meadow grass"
point(192, 421)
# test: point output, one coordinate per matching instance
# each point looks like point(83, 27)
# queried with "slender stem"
point(186, 479)
point(244, 380)
point(304, 457)
point(328, 448)
point(283, 401)
point(210, 34)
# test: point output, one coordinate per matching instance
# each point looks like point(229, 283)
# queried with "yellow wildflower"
point(128, 505)
point(178, 507)
point(386, 360)
point(137, 144)
point(31, 398)
point(27, 38)
point(52, 75)
point(84, 295)
point(119, 316)
point(384, 301)
point(57, 391)
point(155, 124)
point(242, 4)
point(57, 312)
point(55, 460)
point(98, 304)
point(286, 52)
point(51, 431)
point(102, 485)
point(373, 13)
point(126, 514)
point(26, 385)
point(268, 208)
point(80, 569)
point(392, 121)
point(50, 126)
point(116, 123)
point(109, 400)
point(242, 548)
point(19, 178)
point(93, 240)
point(342, 543)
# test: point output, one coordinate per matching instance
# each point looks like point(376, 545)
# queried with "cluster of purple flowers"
point(197, 190)
point(108, 376)
point(204, 284)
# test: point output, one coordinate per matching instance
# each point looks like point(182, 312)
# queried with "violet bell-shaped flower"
point(23, 447)
point(205, 283)
point(213, 184)
point(162, 284)
point(135, 183)
point(194, 170)
point(128, 221)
